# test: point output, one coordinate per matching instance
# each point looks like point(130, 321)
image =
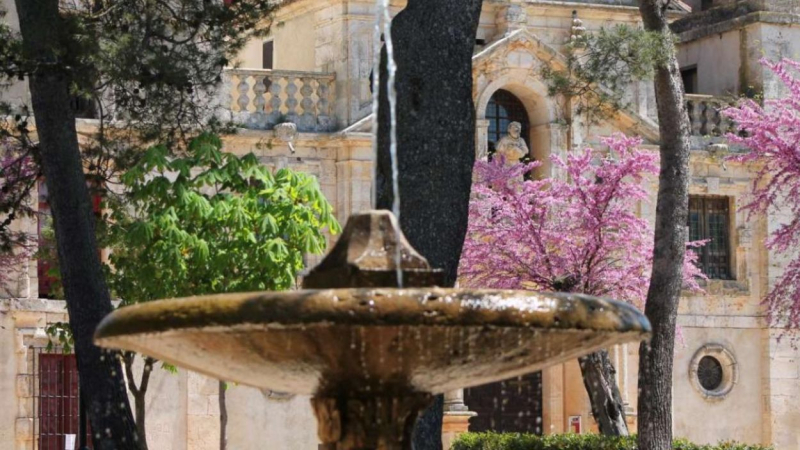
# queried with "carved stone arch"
point(541, 110)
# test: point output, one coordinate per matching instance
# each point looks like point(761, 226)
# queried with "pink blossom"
point(772, 133)
point(580, 234)
point(18, 174)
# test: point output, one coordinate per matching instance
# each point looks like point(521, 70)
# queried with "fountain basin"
point(363, 341)
point(372, 338)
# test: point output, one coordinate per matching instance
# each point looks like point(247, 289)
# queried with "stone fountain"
point(371, 353)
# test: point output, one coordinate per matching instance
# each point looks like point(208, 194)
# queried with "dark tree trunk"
point(87, 296)
point(139, 402)
point(223, 416)
point(601, 385)
point(433, 43)
point(656, 356)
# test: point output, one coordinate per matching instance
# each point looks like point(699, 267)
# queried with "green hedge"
point(515, 441)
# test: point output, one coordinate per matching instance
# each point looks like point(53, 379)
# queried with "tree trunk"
point(139, 402)
point(601, 385)
point(87, 296)
point(433, 43)
point(223, 416)
point(139, 393)
point(656, 356)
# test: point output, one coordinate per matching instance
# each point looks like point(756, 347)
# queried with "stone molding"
point(694, 27)
point(730, 371)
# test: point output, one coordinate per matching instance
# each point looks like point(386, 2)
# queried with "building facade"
point(733, 378)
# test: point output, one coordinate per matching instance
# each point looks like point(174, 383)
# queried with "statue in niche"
point(512, 147)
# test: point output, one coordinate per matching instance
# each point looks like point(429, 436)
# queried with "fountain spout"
point(365, 256)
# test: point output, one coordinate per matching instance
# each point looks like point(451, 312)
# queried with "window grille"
point(55, 401)
point(709, 218)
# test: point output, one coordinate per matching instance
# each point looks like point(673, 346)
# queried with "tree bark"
point(601, 385)
point(88, 301)
point(139, 393)
point(139, 402)
point(433, 43)
point(223, 416)
point(656, 356)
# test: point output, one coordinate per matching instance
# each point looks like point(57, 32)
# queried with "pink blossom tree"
point(579, 234)
point(772, 133)
point(18, 177)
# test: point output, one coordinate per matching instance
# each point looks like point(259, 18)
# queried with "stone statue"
point(512, 147)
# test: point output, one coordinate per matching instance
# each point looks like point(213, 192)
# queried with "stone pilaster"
point(553, 399)
point(482, 139)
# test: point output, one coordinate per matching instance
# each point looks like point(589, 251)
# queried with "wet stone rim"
point(376, 306)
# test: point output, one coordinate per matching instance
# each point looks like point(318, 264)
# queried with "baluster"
point(307, 103)
point(308, 120)
point(712, 118)
point(291, 101)
point(227, 87)
point(727, 123)
point(259, 89)
point(244, 89)
point(275, 101)
point(324, 106)
point(695, 117)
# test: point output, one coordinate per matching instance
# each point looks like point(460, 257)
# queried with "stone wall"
point(182, 408)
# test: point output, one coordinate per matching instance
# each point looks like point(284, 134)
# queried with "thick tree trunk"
point(601, 385)
point(87, 296)
point(433, 43)
point(656, 356)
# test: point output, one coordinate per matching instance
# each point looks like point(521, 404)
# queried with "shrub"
point(571, 441)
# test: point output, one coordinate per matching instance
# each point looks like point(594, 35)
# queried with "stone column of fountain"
point(456, 417)
point(366, 257)
point(370, 353)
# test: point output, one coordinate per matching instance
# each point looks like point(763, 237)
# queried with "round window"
point(709, 373)
point(713, 371)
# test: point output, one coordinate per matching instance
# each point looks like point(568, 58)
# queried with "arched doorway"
point(513, 405)
point(502, 109)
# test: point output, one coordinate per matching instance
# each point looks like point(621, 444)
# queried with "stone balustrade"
point(261, 99)
point(705, 117)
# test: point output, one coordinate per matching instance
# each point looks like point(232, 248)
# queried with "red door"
point(58, 400)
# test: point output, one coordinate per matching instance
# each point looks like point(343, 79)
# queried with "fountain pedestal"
point(369, 349)
point(379, 423)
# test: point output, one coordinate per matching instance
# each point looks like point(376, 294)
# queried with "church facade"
point(734, 379)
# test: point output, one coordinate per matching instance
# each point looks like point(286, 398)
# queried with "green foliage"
point(601, 67)
point(571, 441)
point(46, 252)
point(149, 71)
point(59, 335)
point(211, 222)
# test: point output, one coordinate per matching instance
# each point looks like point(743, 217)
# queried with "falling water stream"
point(383, 24)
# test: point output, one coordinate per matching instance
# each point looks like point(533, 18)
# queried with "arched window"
point(504, 108)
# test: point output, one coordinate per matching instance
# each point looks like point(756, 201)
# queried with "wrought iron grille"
point(709, 218)
point(55, 401)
